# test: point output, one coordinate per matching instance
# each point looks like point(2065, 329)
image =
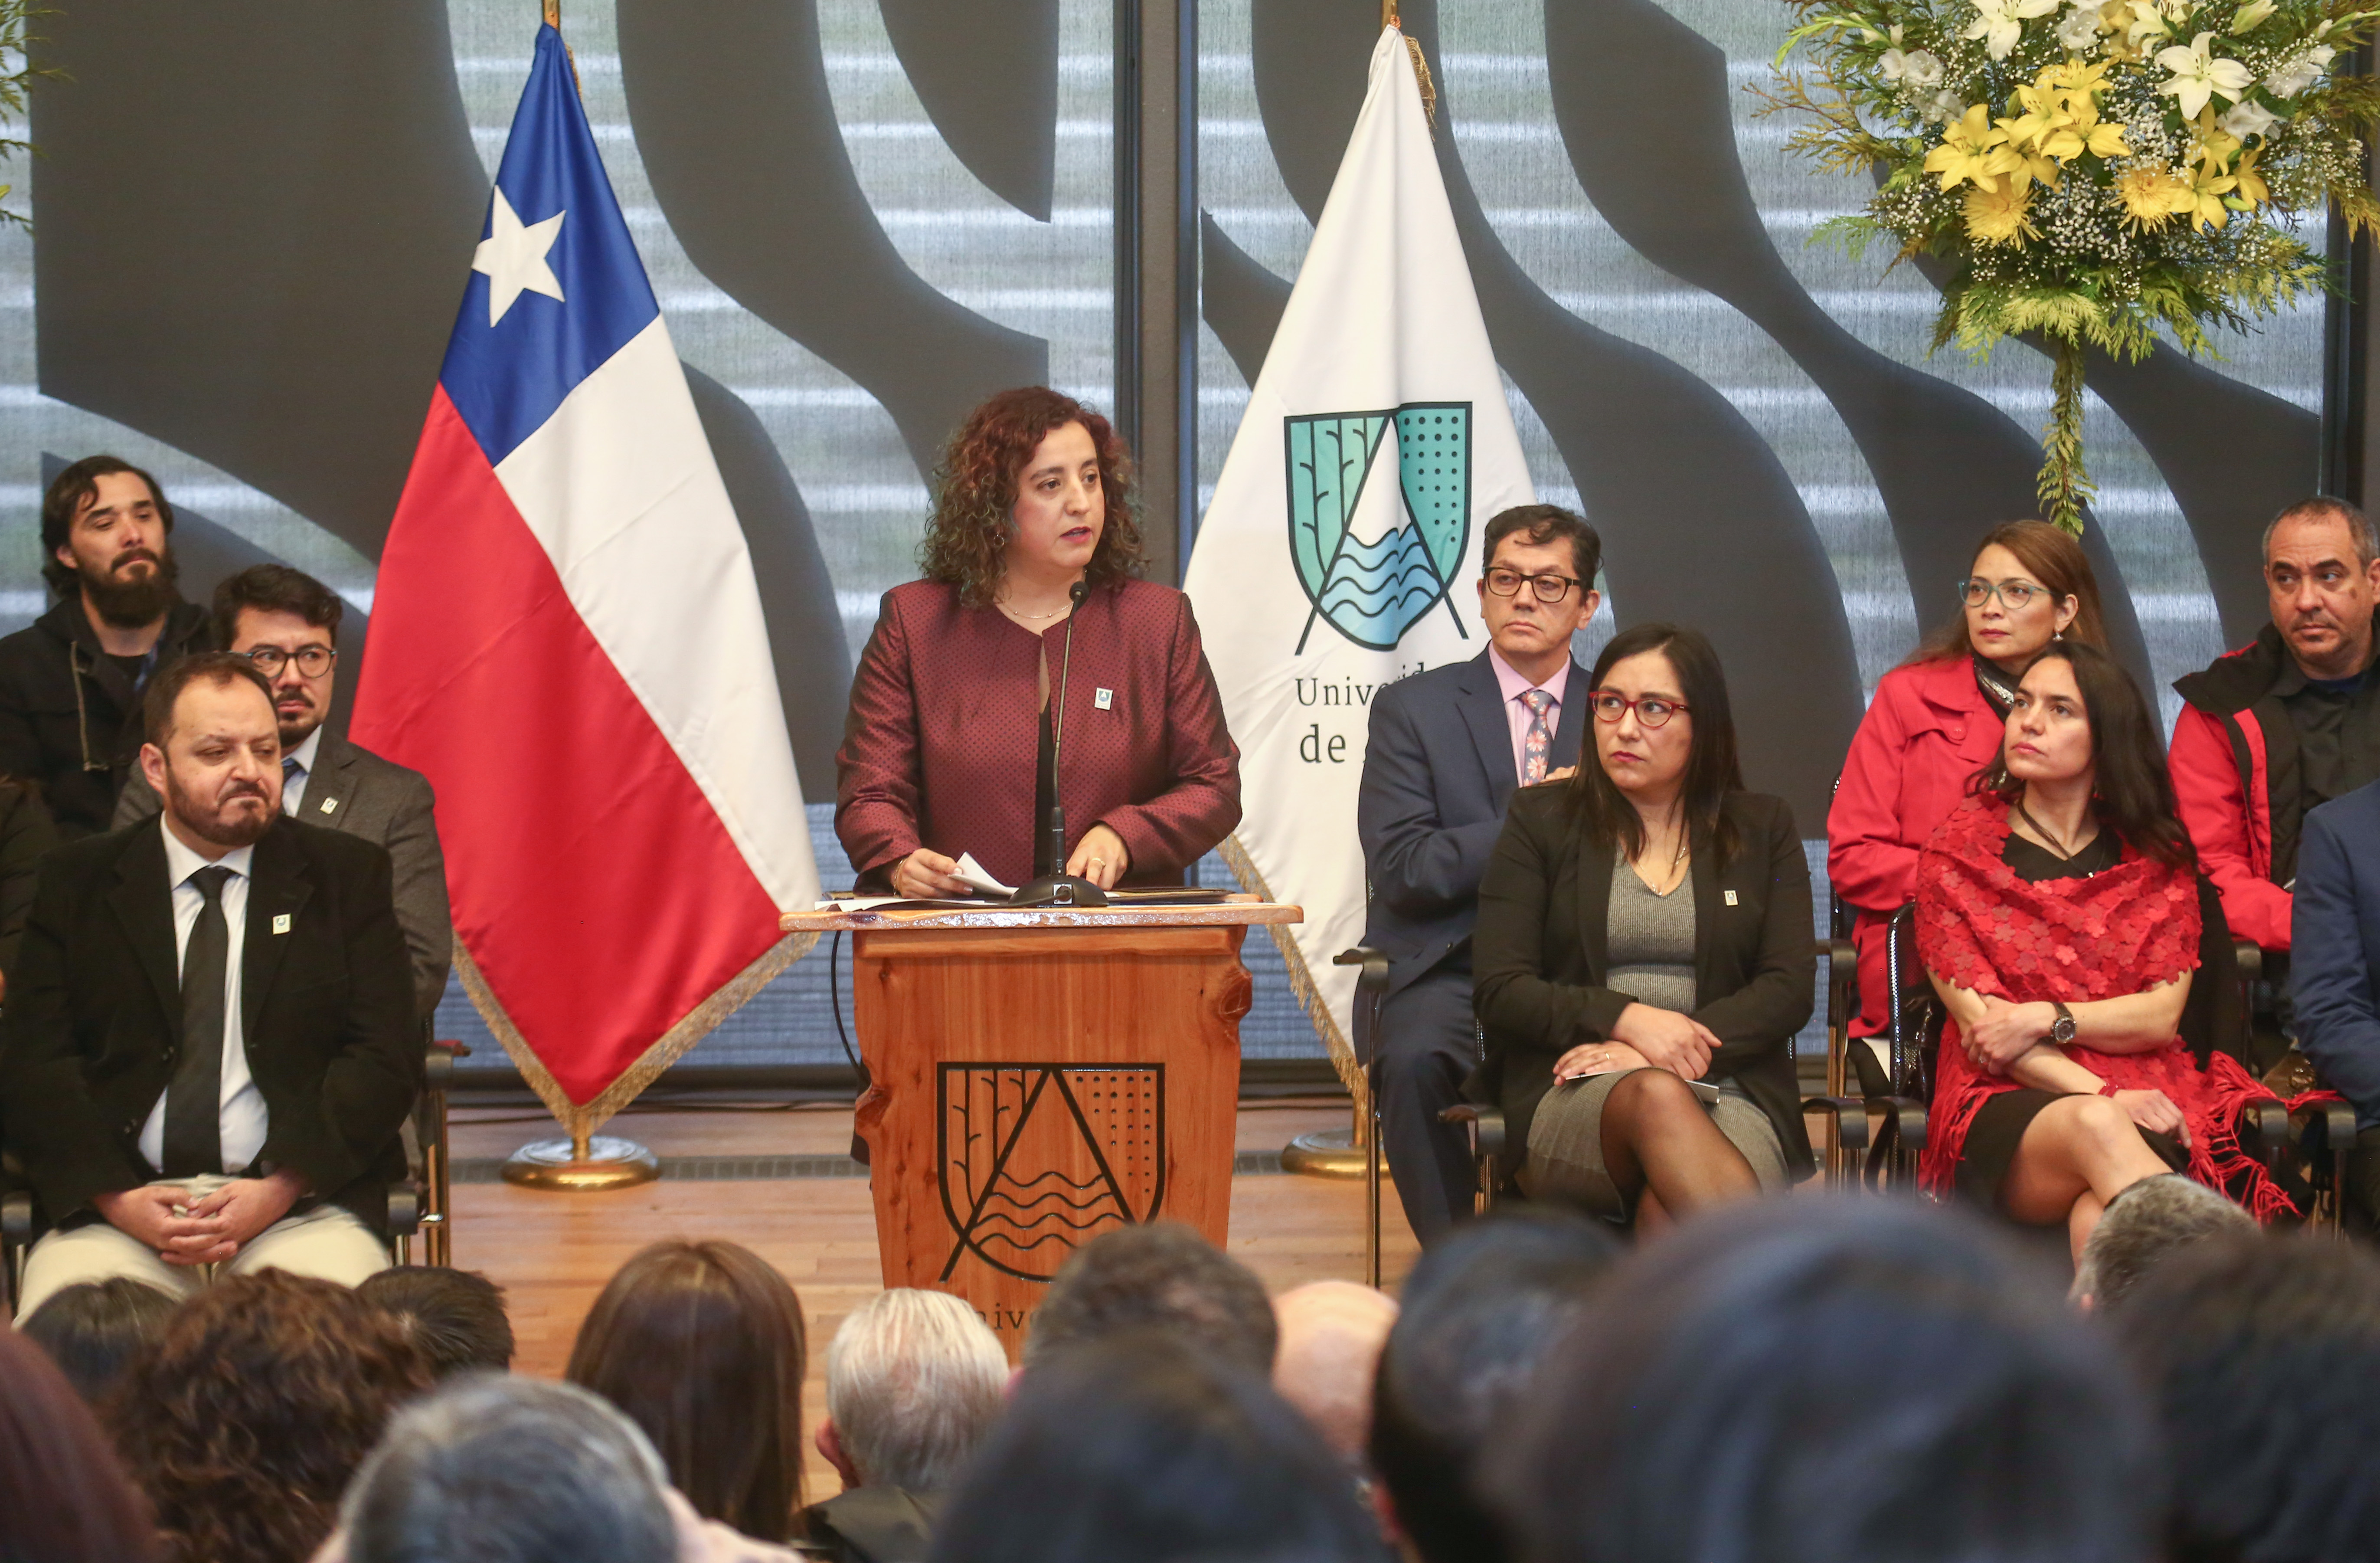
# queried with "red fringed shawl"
point(2135, 925)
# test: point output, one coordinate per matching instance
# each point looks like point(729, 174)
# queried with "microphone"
point(1059, 888)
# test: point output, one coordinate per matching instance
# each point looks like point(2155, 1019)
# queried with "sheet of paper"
point(973, 873)
point(1705, 1092)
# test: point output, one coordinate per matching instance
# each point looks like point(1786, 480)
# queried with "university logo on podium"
point(1036, 1159)
point(1373, 590)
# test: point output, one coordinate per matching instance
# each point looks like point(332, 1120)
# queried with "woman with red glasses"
point(1643, 957)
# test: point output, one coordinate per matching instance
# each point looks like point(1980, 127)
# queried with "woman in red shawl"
point(2057, 915)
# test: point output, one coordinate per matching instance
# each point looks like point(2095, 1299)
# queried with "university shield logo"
point(1373, 590)
point(1036, 1159)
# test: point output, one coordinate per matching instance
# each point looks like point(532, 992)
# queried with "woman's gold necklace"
point(1676, 858)
point(1018, 612)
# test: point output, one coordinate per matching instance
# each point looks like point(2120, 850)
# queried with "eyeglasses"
point(1652, 711)
point(312, 661)
point(1506, 582)
point(2013, 594)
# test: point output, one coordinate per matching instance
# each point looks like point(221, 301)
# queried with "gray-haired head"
point(2145, 1226)
point(2324, 507)
point(913, 1379)
point(498, 1470)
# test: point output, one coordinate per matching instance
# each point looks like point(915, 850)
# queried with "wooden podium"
point(1040, 1076)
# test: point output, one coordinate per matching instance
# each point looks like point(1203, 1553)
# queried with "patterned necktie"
point(1536, 746)
point(193, 1100)
point(290, 772)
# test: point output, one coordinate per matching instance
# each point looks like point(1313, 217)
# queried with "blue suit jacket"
point(2335, 947)
point(1438, 773)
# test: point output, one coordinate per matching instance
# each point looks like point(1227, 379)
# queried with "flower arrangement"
point(2089, 172)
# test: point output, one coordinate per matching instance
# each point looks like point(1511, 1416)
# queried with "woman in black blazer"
point(1643, 926)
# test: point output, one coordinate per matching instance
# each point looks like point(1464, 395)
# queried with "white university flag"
point(1339, 552)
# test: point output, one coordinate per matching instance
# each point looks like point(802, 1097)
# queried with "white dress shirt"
point(243, 1117)
point(292, 788)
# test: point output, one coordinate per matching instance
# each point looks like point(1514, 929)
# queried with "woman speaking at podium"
point(958, 739)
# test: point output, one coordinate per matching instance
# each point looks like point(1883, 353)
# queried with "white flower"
point(2079, 28)
point(1916, 68)
point(1999, 23)
point(2251, 118)
point(1942, 107)
point(2298, 71)
point(2198, 76)
point(2251, 16)
point(2154, 19)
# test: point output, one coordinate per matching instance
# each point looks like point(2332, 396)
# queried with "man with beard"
point(210, 1042)
point(288, 623)
point(70, 682)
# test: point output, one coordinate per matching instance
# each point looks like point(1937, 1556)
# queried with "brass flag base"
point(1328, 1152)
point(605, 1161)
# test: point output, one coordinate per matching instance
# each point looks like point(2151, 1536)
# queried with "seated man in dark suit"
point(1447, 749)
point(288, 623)
point(2335, 972)
point(209, 1041)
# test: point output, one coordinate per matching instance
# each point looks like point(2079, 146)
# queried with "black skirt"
point(2002, 1122)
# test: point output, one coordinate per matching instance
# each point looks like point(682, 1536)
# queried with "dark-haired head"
point(1144, 1446)
point(1539, 525)
point(2037, 555)
point(976, 492)
point(456, 1317)
point(92, 1330)
point(245, 1419)
point(702, 1344)
point(1477, 1316)
point(275, 588)
point(1835, 1382)
point(1708, 724)
point(1156, 1276)
point(77, 490)
point(2262, 1359)
point(62, 1497)
point(2131, 792)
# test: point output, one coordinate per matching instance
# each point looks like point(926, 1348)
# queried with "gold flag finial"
point(1389, 14)
point(553, 14)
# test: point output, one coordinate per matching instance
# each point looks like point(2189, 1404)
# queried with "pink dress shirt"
point(1512, 687)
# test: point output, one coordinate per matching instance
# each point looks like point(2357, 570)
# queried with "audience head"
point(493, 1470)
point(91, 1331)
point(1478, 1315)
point(107, 532)
point(1032, 475)
point(913, 1379)
point(1147, 1447)
point(2147, 1224)
point(2322, 572)
point(2030, 584)
point(2079, 721)
point(702, 1344)
point(245, 1419)
point(1663, 731)
point(214, 754)
point(455, 1317)
point(63, 1497)
point(1836, 1381)
point(1158, 1276)
point(1528, 551)
point(288, 623)
point(1331, 1333)
point(2261, 1360)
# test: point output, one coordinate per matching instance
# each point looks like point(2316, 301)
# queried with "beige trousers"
point(326, 1242)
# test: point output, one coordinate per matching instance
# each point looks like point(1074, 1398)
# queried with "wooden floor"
point(553, 1253)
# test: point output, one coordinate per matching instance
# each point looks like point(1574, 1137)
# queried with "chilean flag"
point(567, 641)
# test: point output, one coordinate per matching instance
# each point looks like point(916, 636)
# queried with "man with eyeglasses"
point(1446, 750)
point(287, 624)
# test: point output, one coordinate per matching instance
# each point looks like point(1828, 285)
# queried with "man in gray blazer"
point(1447, 749)
point(288, 623)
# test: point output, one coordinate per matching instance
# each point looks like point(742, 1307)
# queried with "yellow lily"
point(2251, 192)
point(1971, 152)
point(1998, 216)
point(2207, 205)
point(2076, 77)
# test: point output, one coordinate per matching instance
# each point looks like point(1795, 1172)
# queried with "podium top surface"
point(1238, 909)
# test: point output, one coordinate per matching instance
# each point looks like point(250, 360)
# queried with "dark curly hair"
point(975, 492)
point(245, 1419)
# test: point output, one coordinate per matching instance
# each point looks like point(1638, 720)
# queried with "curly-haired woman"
point(952, 744)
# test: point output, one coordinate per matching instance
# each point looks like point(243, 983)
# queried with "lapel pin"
point(281, 922)
point(1729, 896)
point(330, 805)
point(1104, 699)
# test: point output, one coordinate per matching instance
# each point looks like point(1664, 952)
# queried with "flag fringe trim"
point(1301, 980)
point(579, 1120)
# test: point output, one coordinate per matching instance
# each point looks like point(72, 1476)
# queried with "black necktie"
point(193, 1102)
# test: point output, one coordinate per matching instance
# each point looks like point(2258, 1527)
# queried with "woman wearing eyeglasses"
point(1643, 955)
point(1935, 721)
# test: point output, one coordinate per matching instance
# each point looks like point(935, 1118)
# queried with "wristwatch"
point(2062, 1031)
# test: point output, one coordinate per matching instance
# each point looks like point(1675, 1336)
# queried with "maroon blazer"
point(940, 744)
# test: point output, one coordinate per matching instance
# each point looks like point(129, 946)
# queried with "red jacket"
point(941, 745)
point(1926, 735)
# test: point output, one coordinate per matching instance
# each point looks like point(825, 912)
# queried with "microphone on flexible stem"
point(1059, 888)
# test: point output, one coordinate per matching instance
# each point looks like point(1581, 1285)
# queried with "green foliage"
point(17, 73)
